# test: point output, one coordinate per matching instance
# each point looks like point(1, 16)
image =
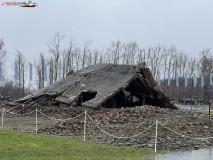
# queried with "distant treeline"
point(58, 60)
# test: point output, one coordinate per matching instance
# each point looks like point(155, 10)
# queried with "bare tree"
point(206, 61)
point(3, 54)
point(77, 57)
point(21, 61)
point(101, 58)
point(96, 54)
point(64, 62)
point(90, 58)
point(39, 67)
point(70, 56)
point(42, 63)
point(3, 51)
point(156, 59)
point(85, 52)
point(141, 55)
point(51, 68)
point(165, 66)
point(55, 49)
point(108, 55)
point(114, 51)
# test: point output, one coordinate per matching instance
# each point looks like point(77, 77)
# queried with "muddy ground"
point(121, 122)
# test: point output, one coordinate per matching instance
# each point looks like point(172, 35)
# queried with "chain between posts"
point(133, 136)
point(85, 121)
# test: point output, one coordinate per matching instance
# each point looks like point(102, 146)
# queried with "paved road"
point(201, 154)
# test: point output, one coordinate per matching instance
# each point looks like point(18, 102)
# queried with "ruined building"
point(104, 85)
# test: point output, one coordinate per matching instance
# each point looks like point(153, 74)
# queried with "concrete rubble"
point(130, 121)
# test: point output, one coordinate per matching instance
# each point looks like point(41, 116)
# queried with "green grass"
point(173, 124)
point(17, 145)
point(207, 112)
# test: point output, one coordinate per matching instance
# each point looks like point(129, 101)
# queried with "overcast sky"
point(187, 24)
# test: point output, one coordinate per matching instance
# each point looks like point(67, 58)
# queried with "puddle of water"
point(202, 154)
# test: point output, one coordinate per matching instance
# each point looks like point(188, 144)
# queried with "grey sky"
point(188, 24)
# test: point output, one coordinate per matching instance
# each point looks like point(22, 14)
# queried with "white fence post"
point(2, 118)
point(36, 120)
point(85, 120)
point(156, 135)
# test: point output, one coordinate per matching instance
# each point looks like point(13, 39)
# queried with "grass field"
point(23, 146)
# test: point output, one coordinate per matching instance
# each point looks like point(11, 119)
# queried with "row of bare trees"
point(3, 54)
point(60, 60)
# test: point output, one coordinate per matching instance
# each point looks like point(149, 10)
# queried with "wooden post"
point(210, 107)
point(211, 102)
point(156, 135)
point(2, 118)
point(195, 102)
point(85, 120)
point(36, 120)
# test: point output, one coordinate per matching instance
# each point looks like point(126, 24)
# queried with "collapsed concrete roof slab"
point(106, 85)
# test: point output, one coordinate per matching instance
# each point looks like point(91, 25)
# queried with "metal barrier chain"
point(118, 136)
point(60, 119)
point(184, 135)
